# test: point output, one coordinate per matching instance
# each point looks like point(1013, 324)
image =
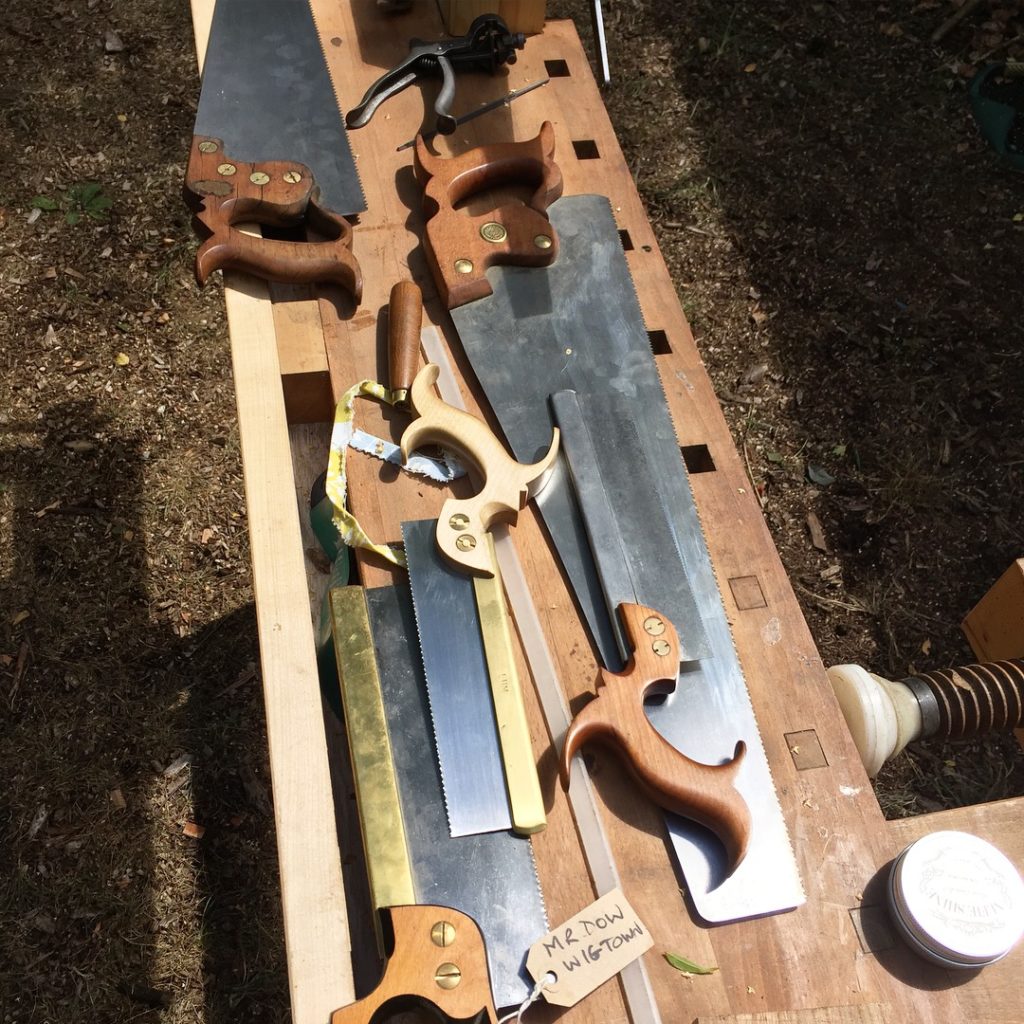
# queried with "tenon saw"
point(270, 148)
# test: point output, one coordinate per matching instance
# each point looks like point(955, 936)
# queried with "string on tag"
point(546, 979)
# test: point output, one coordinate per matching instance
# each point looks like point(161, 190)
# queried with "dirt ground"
point(847, 250)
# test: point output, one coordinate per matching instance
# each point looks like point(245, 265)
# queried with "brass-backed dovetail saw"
point(438, 893)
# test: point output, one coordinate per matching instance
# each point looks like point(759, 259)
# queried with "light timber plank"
point(312, 895)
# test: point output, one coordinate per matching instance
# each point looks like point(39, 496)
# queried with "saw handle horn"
point(439, 964)
point(461, 247)
point(225, 192)
point(405, 317)
point(507, 484)
point(615, 717)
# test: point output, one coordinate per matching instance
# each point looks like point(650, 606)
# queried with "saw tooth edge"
point(633, 296)
point(338, 106)
point(430, 705)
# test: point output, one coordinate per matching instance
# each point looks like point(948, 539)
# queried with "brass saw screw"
point(447, 976)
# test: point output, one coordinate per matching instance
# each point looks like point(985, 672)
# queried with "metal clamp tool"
point(487, 46)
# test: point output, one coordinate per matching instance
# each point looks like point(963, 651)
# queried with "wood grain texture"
point(615, 717)
point(439, 961)
point(405, 317)
point(506, 485)
point(461, 245)
point(869, 1013)
point(312, 895)
point(226, 193)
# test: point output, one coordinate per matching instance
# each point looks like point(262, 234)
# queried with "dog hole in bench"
point(585, 149)
point(659, 343)
point(697, 458)
point(557, 69)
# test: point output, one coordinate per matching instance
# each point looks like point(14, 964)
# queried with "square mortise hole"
point(627, 242)
point(556, 68)
point(747, 592)
point(586, 149)
point(805, 749)
point(697, 458)
point(660, 345)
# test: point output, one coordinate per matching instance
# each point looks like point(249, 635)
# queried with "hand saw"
point(483, 740)
point(576, 324)
point(270, 148)
point(486, 882)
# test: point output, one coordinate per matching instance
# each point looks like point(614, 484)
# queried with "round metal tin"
point(957, 900)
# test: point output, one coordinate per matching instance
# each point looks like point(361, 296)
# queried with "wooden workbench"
point(833, 960)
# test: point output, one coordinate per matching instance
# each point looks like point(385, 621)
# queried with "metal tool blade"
point(455, 666)
point(635, 555)
point(577, 325)
point(267, 93)
point(490, 877)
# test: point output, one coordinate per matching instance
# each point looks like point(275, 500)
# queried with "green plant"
point(86, 199)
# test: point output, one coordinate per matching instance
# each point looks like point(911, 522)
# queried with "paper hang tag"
point(589, 949)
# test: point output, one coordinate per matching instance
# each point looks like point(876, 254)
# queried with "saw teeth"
point(430, 708)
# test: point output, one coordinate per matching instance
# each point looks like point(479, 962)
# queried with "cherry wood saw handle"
point(461, 247)
point(507, 484)
point(225, 192)
point(405, 318)
point(615, 717)
point(439, 963)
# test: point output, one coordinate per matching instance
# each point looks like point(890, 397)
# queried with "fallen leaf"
point(118, 800)
point(817, 532)
point(817, 475)
point(207, 535)
point(750, 67)
point(122, 359)
point(112, 42)
point(20, 617)
point(80, 446)
point(684, 966)
point(193, 830)
point(926, 647)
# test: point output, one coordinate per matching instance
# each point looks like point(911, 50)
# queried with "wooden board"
point(315, 918)
point(829, 953)
point(519, 15)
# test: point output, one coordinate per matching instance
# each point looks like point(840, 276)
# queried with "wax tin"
point(957, 900)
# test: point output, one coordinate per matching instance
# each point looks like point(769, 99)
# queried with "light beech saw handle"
point(225, 192)
point(439, 963)
point(615, 717)
point(507, 484)
point(460, 247)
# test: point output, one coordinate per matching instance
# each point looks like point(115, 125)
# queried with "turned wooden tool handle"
point(405, 317)
point(461, 247)
point(615, 717)
point(507, 484)
point(434, 946)
point(226, 192)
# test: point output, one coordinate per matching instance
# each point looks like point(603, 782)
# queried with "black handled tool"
point(487, 46)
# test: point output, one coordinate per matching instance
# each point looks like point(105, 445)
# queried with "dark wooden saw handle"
point(226, 192)
point(434, 947)
point(615, 717)
point(405, 318)
point(460, 246)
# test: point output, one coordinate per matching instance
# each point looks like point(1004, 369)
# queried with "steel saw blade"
point(577, 325)
point(461, 708)
point(267, 94)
